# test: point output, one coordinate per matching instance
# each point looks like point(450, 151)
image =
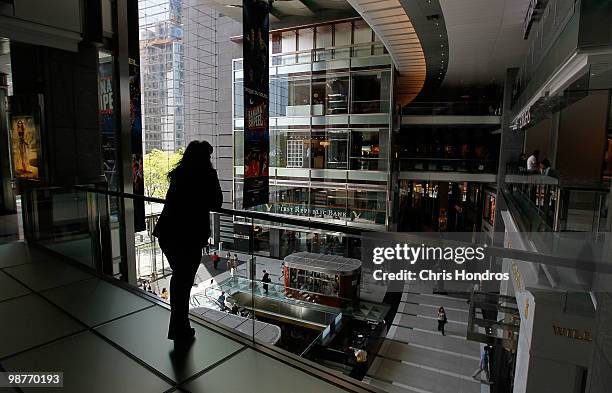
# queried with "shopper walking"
point(265, 279)
point(483, 365)
point(215, 260)
point(442, 320)
point(233, 265)
point(184, 228)
point(221, 300)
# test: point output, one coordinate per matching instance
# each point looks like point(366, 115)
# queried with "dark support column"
point(7, 199)
point(554, 138)
point(274, 243)
point(510, 147)
point(609, 203)
point(124, 139)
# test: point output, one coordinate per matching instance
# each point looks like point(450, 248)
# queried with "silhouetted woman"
point(183, 228)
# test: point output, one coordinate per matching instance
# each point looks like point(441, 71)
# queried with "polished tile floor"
point(58, 317)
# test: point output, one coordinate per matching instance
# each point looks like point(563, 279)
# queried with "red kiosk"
point(330, 280)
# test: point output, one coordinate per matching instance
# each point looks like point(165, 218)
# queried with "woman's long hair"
point(196, 159)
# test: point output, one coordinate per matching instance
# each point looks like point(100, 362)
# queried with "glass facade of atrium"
point(330, 124)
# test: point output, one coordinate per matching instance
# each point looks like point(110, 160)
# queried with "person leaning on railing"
point(183, 228)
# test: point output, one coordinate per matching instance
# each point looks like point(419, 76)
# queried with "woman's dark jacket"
point(185, 219)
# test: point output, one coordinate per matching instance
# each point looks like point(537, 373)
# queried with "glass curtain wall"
point(330, 97)
point(178, 60)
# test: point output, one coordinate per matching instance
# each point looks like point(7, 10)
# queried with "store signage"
point(524, 118)
point(256, 27)
point(519, 286)
point(576, 334)
point(314, 212)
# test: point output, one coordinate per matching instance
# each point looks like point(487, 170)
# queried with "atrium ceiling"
point(485, 38)
point(287, 13)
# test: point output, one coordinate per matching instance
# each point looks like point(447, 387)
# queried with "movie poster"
point(25, 146)
point(107, 120)
point(256, 89)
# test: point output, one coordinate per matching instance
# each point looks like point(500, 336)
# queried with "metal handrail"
point(329, 48)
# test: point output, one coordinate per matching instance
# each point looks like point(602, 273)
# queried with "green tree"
point(156, 165)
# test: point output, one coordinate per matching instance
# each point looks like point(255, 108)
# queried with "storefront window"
point(328, 203)
point(365, 150)
point(330, 95)
point(291, 200)
point(367, 206)
point(329, 149)
point(289, 148)
point(337, 149)
point(371, 92)
point(291, 242)
point(295, 153)
point(318, 145)
point(289, 97)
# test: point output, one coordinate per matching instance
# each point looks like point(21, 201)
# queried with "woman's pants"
point(184, 263)
point(441, 326)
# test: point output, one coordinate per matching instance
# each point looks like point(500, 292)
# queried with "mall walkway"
point(57, 316)
point(415, 357)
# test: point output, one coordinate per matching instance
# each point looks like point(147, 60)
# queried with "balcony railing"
point(308, 56)
point(542, 203)
point(471, 165)
point(84, 224)
point(453, 108)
